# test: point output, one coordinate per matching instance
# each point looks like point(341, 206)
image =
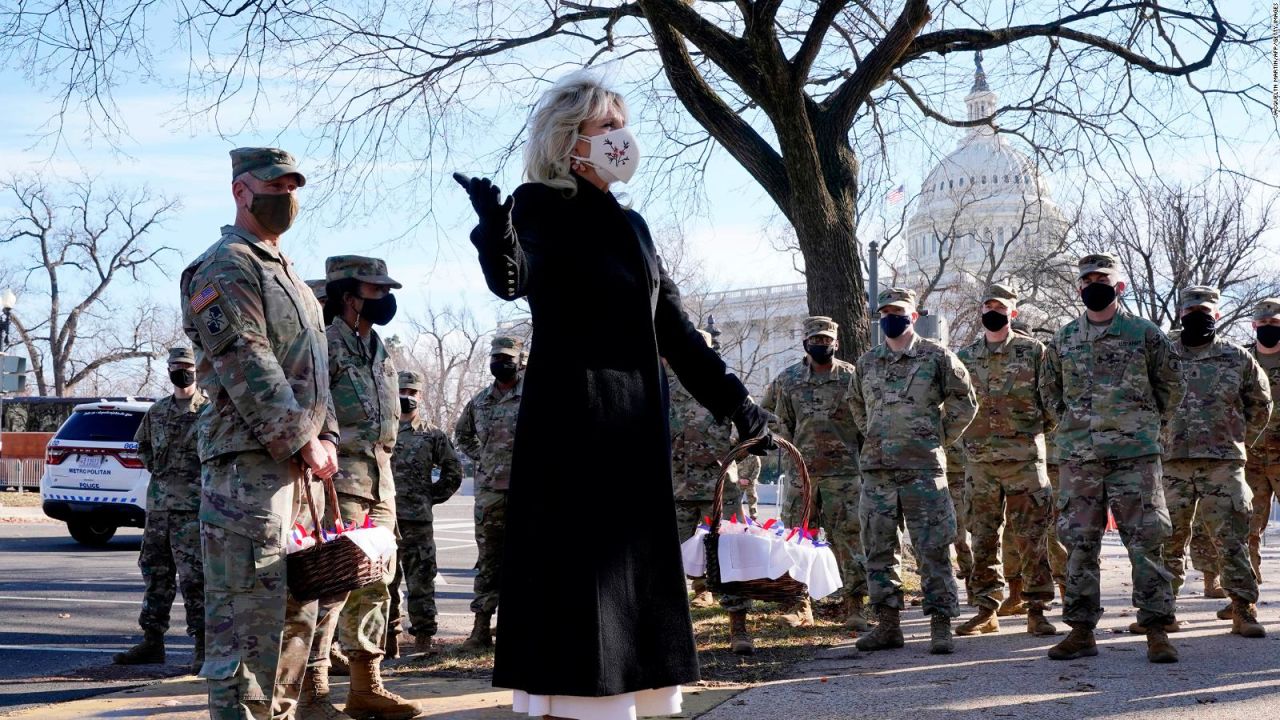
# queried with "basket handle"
point(739, 452)
point(332, 501)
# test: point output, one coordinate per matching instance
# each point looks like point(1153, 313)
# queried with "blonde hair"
point(555, 122)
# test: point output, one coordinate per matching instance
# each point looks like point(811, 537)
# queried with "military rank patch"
point(215, 320)
point(201, 300)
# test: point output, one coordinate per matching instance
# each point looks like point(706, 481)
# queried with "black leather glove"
point(752, 421)
point(486, 199)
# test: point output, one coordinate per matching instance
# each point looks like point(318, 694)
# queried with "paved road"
point(65, 609)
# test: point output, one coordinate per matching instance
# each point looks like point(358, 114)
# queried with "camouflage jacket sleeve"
point(146, 452)
point(450, 470)
point(770, 404)
point(749, 469)
point(1048, 418)
point(1051, 386)
point(959, 400)
point(1255, 394)
point(857, 402)
point(248, 369)
point(464, 433)
point(785, 410)
point(1165, 373)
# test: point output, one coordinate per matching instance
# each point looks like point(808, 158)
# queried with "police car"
point(94, 479)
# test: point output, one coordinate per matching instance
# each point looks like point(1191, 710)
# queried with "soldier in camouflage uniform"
point(1263, 468)
point(1006, 470)
point(486, 432)
point(1225, 411)
point(956, 488)
point(1112, 382)
point(421, 448)
point(171, 540)
point(362, 381)
point(913, 398)
point(812, 402)
point(260, 358)
point(749, 482)
point(1204, 557)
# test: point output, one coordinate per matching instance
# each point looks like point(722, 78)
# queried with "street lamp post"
point(7, 301)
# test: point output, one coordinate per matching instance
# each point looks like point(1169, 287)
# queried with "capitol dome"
point(982, 199)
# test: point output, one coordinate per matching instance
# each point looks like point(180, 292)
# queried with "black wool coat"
point(593, 596)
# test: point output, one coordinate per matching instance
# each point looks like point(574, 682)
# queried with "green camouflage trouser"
point(688, 515)
point(1213, 491)
point(418, 558)
point(491, 532)
point(1012, 561)
point(1262, 472)
point(170, 557)
point(751, 498)
point(358, 619)
point(964, 555)
point(256, 637)
point(917, 500)
point(835, 510)
point(1133, 490)
point(1204, 554)
point(1021, 492)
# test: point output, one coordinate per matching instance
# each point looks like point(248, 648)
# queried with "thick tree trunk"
point(834, 275)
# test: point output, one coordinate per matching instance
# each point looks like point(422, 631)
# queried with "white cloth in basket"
point(750, 553)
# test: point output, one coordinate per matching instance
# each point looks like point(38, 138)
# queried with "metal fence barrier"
point(23, 474)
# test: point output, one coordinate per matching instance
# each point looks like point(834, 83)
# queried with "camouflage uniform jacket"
point(815, 414)
point(955, 458)
point(1110, 390)
point(910, 405)
point(486, 432)
point(1011, 418)
point(1226, 407)
point(697, 444)
point(420, 448)
point(167, 446)
point(366, 399)
point(258, 335)
point(1271, 436)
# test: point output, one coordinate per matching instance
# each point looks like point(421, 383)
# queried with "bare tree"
point(447, 346)
point(75, 246)
point(1169, 236)
point(806, 95)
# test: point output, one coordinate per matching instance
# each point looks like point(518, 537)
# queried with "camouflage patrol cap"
point(507, 345)
point(820, 325)
point(1198, 296)
point(1105, 263)
point(707, 337)
point(319, 287)
point(410, 380)
point(364, 269)
point(897, 297)
point(181, 354)
point(1002, 294)
point(265, 164)
point(1267, 308)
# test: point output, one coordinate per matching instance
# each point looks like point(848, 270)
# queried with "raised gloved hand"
point(752, 421)
point(486, 199)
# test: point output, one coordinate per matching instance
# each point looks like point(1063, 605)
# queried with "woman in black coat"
point(594, 617)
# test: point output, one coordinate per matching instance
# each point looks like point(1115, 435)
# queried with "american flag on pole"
point(895, 195)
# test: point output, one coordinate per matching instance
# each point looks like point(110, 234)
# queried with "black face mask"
point(182, 378)
point(1269, 335)
point(894, 325)
point(1198, 328)
point(994, 320)
point(408, 405)
point(821, 354)
point(1097, 296)
point(504, 371)
point(380, 311)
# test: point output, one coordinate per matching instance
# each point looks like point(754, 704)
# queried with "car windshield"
point(101, 426)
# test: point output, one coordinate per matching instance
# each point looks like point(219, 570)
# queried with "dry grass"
point(26, 498)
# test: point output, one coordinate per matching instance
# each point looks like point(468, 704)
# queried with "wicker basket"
point(328, 568)
point(784, 589)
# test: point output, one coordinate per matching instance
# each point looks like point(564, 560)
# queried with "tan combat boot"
point(1013, 605)
point(1244, 622)
point(1159, 649)
point(1036, 623)
point(149, 651)
point(1077, 644)
point(424, 645)
point(940, 640)
point(984, 622)
point(369, 700)
point(857, 620)
point(1227, 612)
point(1173, 626)
point(339, 666)
point(1212, 588)
point(801, 615)
point(887, 633)
point(315, 703)
point(481, 636)
point(391, 645)
point(740, 642)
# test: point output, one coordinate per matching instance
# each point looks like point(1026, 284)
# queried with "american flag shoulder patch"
point(201, 300)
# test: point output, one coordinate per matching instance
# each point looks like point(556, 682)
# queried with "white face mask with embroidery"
point(614, 155)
